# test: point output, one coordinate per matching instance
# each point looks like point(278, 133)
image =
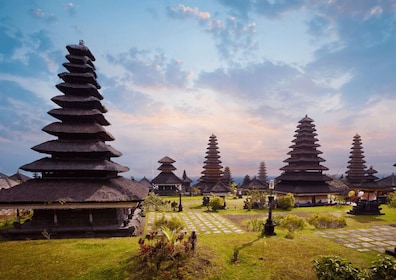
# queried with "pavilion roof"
point(167, 178)
point(116, 189)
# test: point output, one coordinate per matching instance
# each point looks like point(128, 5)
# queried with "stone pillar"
point(90, 217)
point(55, 218)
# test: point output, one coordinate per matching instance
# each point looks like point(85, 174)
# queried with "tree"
point(246, 180)
point(227, 177)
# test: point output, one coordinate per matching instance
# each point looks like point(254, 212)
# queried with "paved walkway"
point(376, 238)
point(202, 223)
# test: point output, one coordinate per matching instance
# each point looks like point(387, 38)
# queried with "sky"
point(175, 72)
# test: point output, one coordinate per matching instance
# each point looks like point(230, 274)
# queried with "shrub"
point(391, 200)
point(323, 221)
point(334, 267)
point(384, 268)
point(153, 201)
point(173, 223)
point(169, 250)
point(292, 222)
point(286, 202)
point(289, 235)
point(215, 203)
point(256, 225)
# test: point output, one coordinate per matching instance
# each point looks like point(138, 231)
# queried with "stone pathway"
point(377, 238)
point(202, 223)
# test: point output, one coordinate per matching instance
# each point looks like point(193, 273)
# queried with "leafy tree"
point(227, 177)
point(246, 180)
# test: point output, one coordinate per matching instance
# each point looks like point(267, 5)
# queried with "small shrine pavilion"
point(303, 175)
point(167, 183)
point(78, 191)
point(253, 184)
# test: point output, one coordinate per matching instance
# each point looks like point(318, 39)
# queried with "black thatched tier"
point(52, 164)
point(76, 147)
point(79, 115)
point(82, 102)
point(79, 68)
point(78, 130)
point(80, 50)
point(79, 78)
point(65, 191)
point(79, 90)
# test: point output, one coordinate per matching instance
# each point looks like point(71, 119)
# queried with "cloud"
point(70, 8)
point(41, 15)
point(234, 38)
point(360, 53)
point(182, 12)
point(275, 9)
point(151, 70)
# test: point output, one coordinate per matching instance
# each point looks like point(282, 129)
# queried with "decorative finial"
point(81, 42)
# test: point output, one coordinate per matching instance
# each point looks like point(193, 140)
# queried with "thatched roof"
point(79, 89)
point(52, 164)
point(305, 188)
point(60, 129)
point(73, 146)
point(6, 182)
point(48, 191)
point(71, 101)
point(167, 178)
point(65, 114)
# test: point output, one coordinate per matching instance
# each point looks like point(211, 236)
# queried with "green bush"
point(326, 220)
point(292, 222)
point(334, 267)
point(215, 203)
point(256, 225)
point(384, 268)
point(173, 223)
point(166, 254)
point(391, 200)
point(286, 202)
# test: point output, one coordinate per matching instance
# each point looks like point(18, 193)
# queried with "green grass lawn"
point(258, 257)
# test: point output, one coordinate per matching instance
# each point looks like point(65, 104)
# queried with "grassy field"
point(258, 257)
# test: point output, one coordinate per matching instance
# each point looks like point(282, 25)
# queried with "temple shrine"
point(362, 182)
point(303, 175)
point(166, 182)
point(211, 182)
point(78, 191)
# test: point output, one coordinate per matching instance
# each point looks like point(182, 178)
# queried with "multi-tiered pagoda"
point(356, 169)
point(211, 181)
point(363, 182)
point(212, 169)
point(79, 191)
point(303, 175)
point(167, 183)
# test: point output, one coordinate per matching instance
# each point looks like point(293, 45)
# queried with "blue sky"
point(174, 72)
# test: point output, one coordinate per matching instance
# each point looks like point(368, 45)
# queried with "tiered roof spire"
point(303, 173)
point(212, 172)
point(79, 166)
point(356, 169)
point(262, 172)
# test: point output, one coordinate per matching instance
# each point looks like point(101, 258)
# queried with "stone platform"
point(376, 238)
